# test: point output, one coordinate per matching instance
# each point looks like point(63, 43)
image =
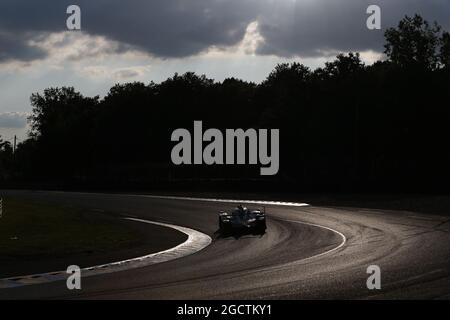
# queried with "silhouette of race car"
point(242, 219)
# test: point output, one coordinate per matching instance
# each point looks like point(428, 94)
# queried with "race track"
point(307, 253)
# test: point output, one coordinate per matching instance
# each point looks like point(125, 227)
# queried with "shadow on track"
point(239, 233)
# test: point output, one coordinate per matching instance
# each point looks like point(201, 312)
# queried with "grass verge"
point(31, 229)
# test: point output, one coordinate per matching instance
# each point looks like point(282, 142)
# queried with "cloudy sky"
point(144, 40)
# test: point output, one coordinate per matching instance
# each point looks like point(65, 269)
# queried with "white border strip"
point(196, 241)
point(344, 239)
point(275, 203)
point(262, 202)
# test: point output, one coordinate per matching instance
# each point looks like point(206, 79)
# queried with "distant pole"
point(14, 149)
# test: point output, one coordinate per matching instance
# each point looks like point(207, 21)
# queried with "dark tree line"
point(345, 126)
point(6, 159)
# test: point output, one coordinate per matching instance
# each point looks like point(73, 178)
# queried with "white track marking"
point(344, 239)
point(196, 241)
point(261, 202)
point(275, 203)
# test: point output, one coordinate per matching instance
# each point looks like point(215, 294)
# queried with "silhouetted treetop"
point(445, 50)
point(416, 43)
point(58, 108)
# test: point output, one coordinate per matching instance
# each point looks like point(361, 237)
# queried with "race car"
point(242, 219)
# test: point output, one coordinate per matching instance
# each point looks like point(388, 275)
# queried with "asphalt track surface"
point(307, 253)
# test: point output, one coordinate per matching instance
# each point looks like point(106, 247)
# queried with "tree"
point(413, 43)
point(284, 91)
point(2, 143)
point(5, 147)
point(6, 156)
point(445, 50)
point(58, 108)
point(342, 67)
point(288, 73)
point(62, 123)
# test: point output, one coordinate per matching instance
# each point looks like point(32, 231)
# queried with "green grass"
point(38, 229)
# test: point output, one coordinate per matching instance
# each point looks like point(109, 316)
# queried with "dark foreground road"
point(293, 260)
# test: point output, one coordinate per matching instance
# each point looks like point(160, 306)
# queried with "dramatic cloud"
point(127, 73)
point(181, 28)
point(75, 46)
point(118, 74)
point(174, 28)
point(13, 119)
point(16, 47)
point(321, 27)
